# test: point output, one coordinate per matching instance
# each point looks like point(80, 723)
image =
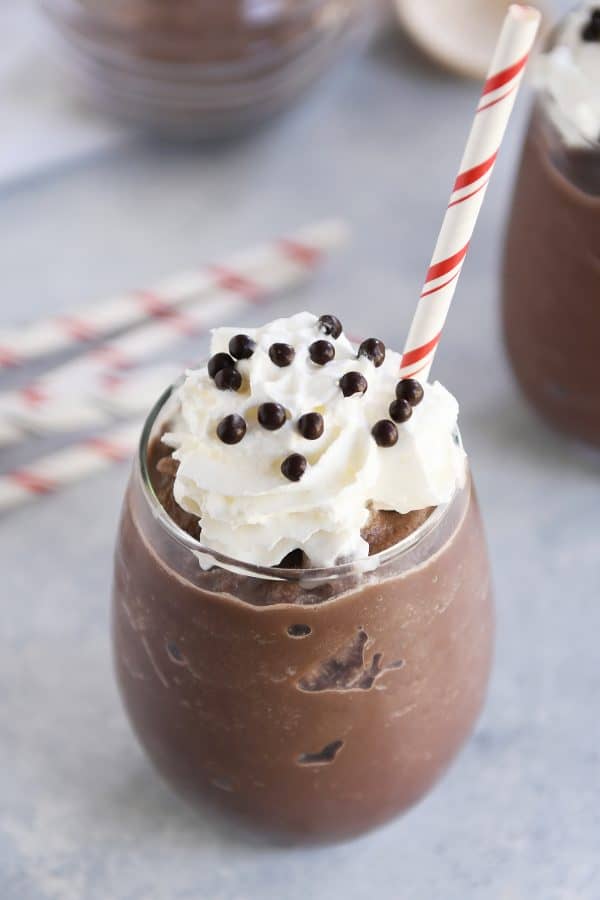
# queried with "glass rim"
point(366, 565)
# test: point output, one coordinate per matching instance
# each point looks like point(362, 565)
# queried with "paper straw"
point(491, 119)
point(18, 345)
point(58, 400)
point(119, 396)
point(9, 434)
point(50, 474)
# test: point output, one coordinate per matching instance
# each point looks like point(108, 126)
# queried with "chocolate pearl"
point(385, 433)
point(241, 346)
point(311, 426)
point(591, 31)
point(218, 362)
point(294, 467)
point(331, 325)
point(231, 429)
point(353, 383)
point(271, 416)
point(411, 390)
point(282, 355)
point(373, 350)
point(400, 411)
point(321, 352)
point(228, 380)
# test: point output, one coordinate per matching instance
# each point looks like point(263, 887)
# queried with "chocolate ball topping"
point(282, 355)
point(241, 346)
point(385, 433)
point(411, 390)
point(591, 31)
point(321, 352)
point(231, 429)
point(218, 362)
point(311, 426)
point(331, 325)
point(228, 380)
point(373, 350)
point(271, 416)
point(353, 383)
point(294, 467)
point(400, 411)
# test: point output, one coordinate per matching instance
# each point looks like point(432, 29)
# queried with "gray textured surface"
point(81, 813)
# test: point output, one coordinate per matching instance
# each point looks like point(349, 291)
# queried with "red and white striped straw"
point(19, 345)
point(57, 400)
point(118, 397)
point(491, 119)
point(51, 473)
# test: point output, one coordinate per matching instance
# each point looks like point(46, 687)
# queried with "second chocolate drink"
point(551, 286)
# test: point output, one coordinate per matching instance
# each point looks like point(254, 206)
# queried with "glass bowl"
point(197, 68)
point(313, 704)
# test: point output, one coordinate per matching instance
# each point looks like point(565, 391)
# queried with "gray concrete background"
point(82, 815)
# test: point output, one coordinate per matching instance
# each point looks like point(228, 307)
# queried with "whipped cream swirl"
point(570, 75)
point(247, 509)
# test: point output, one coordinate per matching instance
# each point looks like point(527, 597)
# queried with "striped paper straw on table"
point(120, 396)
point(235, 273)
point(9, 433)
point(51, 473)
point(59, 399)
point(491, 119)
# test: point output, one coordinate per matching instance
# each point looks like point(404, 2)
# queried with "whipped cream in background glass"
point(569, 73)
point(248, 509)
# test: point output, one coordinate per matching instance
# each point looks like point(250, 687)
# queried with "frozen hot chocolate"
point(302, 610)
point(551, 280)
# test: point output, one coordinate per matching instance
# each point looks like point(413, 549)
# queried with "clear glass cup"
point(314, 704)
point(199, 68)
point(551, 274)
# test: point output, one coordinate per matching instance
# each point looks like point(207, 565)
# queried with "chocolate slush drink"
point(302, 611)
point(551, 286)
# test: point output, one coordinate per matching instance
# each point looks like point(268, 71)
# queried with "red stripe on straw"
point(75, 328)
point(111, 381)
point(35, 484)
point(8, 359)
point(301, 253)
point(414, 371)
point(419, 353)
point(437, 270)
point(503, 77)
point(154, 305)
point(33, 395)
point(229, 280)
point(465, 179)
point(108, 450)
point(186, 326)
point(497, 100)
point(110, 356)
point(468, 196)
point(440, 287)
